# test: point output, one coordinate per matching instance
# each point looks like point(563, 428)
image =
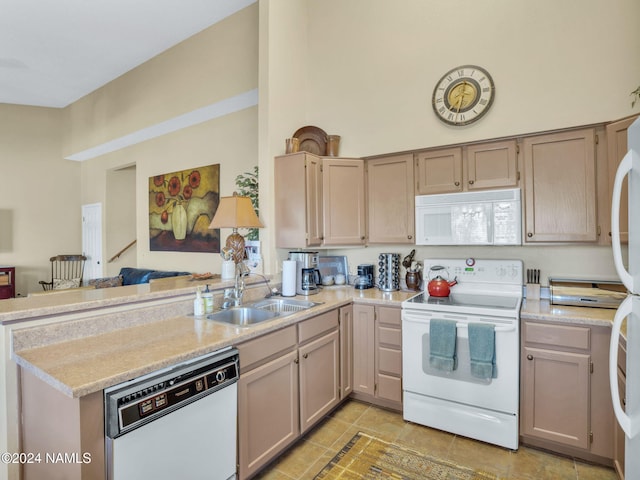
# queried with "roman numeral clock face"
point(463, 95)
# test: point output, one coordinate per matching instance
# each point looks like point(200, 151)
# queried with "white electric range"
point(464, 400)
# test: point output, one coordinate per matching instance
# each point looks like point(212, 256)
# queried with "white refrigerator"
point(628, 416)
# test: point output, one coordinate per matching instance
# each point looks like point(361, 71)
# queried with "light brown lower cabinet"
point(565, 405)
point(289, 380)
point(377, 355)
point(346, 351)
point(53, 422)
point(319, 378)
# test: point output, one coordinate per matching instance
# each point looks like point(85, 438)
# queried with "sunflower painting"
point(181, 206)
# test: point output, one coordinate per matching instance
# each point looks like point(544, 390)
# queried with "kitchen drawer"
point(390, 316)
point(316, 326)
point(389, 388)
point(390, 336)
point(390, 361)
point(558, 335)
point(259, 350)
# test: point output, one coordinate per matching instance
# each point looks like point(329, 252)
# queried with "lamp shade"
point(235, 212)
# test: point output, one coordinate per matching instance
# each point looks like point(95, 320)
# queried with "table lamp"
point(235, 212)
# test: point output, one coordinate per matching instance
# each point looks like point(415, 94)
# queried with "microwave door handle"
point(629, 162)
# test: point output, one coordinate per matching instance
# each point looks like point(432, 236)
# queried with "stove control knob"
point(220, 376)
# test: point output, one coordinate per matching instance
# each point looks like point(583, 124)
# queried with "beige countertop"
point(85, 365)
point(43, 304)
point(544, 310)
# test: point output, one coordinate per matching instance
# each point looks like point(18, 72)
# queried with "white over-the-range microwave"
point(491, 217)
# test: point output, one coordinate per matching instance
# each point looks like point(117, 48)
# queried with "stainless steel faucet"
point(233, 296)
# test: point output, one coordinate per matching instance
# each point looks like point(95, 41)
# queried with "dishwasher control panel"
point(134, 403)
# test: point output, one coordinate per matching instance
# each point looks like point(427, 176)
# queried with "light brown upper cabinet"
point(318, 201)
point(391, 199)
point(298, 200)
point(491, 165)
point(439, 171)
point(343, 201)
point(560, 187)
point(616, 150)
point(478, 166)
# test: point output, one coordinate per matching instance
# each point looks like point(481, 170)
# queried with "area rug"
point(370, 458)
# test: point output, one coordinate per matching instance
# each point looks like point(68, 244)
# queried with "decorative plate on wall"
point(312, 140)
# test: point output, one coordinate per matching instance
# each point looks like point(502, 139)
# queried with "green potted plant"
point(636, 97)
point(247, 184)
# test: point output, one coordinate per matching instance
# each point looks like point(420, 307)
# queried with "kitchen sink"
point(260, 311)
point(242, 316)
point(284, 306)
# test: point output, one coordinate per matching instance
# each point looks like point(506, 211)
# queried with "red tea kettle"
point(438, 286)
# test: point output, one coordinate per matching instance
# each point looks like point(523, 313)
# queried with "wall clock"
point(463, 95)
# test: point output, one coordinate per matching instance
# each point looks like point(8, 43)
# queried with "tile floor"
point(307, 457)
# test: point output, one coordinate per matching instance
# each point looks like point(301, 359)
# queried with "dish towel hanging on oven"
point(442, 344)
point(482, 350)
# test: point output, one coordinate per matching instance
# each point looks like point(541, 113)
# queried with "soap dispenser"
point(198, 304)
point(207, 296)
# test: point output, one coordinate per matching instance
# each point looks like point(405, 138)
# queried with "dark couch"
point(133, 276)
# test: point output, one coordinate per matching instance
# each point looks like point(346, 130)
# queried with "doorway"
point(92, 240)
point(120, 220)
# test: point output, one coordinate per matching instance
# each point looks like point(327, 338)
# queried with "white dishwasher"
point(179, 422)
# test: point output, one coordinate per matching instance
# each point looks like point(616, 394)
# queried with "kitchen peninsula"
point(74, 347)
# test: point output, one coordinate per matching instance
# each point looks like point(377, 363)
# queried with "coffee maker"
point(308, 285)
point(307, 273)
point(365, 277)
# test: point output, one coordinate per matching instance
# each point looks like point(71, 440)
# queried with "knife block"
point(533, 291)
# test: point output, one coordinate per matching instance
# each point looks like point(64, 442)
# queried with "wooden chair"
point(66, 272)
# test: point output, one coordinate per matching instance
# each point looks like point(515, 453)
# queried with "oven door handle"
point(509, 327)
point(497, 329)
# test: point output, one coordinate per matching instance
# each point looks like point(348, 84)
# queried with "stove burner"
point(467, 300)
point(470, 300)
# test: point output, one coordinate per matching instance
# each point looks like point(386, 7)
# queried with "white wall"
point(206, 69)
point(374, 64)
point(39, 194)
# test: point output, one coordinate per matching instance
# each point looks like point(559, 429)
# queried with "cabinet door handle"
point(529, 357)
point(529, 234)
point(457, 184)
point(470, 182)
point(409, 237)
point(306, 355)
point(297, 360)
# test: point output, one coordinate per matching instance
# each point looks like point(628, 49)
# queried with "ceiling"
point(54, 52)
